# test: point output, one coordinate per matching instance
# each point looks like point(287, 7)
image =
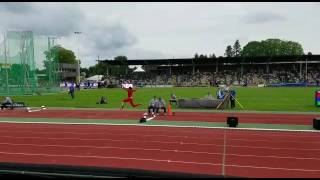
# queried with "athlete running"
point(129, 99)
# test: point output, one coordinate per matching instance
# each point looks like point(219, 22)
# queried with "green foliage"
point(272, 47)
point(122, 59)
point(196, 56)
point(253, 48)
point(100, 69)
point(236, 49)
point(229, 51)
point(204, 56)
point(213, 56)
point(61, 55)
point(121, 69)
point(233, 51)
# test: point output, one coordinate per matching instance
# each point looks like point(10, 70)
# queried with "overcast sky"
point(163, 30)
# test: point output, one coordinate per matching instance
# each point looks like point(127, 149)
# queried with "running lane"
point(243, 153)
point(295, 119)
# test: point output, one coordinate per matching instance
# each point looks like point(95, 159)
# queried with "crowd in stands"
point(248, 78)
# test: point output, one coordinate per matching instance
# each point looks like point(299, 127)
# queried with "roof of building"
point(220, 60)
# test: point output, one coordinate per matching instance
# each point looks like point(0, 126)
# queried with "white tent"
point(139, 69)
point(95, 78)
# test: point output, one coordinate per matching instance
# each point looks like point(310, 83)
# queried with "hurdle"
point(35, 110)
point(145, 119)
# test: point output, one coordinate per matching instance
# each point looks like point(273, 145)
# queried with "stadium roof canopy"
point(219, 60)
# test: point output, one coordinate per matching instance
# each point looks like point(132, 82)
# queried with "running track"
point(192, 150)
point(294, 119)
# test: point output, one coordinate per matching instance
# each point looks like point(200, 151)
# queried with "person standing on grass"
point(232, 98)
point(129, 99)
point(173, 99)
point(71, 90)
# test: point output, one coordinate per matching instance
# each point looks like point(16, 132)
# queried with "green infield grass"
point(253, 99)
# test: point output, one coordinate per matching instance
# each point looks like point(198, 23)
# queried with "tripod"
point(237, 101)
point(226, 100)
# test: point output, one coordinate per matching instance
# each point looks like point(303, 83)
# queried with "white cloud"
point(42, 18)
point(263, 17)
point(163, 30)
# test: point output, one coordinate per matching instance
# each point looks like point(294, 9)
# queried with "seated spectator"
point(103, 100)
point(7, 103)
point(173, 99)
point(152, 105)
point(160, 104)
point(209, 96)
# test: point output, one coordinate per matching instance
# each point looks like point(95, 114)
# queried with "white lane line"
point(115, 140)
point(156, 160)
point(276, 134)
point(171, 126)
point(167, 142)
point(119, 129)
point(273, 141)
point(271, 156)
point(109, 157)
point(164, 150)
point(272, 168)
point(272, 148)
point(190, 132)
point(116, 134)
point(109, 147)
point(168, 136)
point(209, 133)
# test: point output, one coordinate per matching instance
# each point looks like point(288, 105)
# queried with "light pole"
point(78, 71)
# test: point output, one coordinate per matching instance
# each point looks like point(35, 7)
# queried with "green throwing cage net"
point(27, 66)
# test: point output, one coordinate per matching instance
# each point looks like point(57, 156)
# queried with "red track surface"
point(197, 150)
point(297, 119)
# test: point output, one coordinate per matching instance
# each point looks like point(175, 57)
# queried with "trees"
point(252, 49)
point(268, 47)
point(84, 72)
point(236, 49)
point(122, 59)
point(229, 51)
point(61, 55)
point(196, 56)
point(212, 56)
point(123, 68)
point(272, 47)
point(102, 68)
point(233, 51)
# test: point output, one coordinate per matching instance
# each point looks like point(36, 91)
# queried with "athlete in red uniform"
point(129, 98)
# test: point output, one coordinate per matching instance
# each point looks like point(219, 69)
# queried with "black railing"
point(44, 170)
